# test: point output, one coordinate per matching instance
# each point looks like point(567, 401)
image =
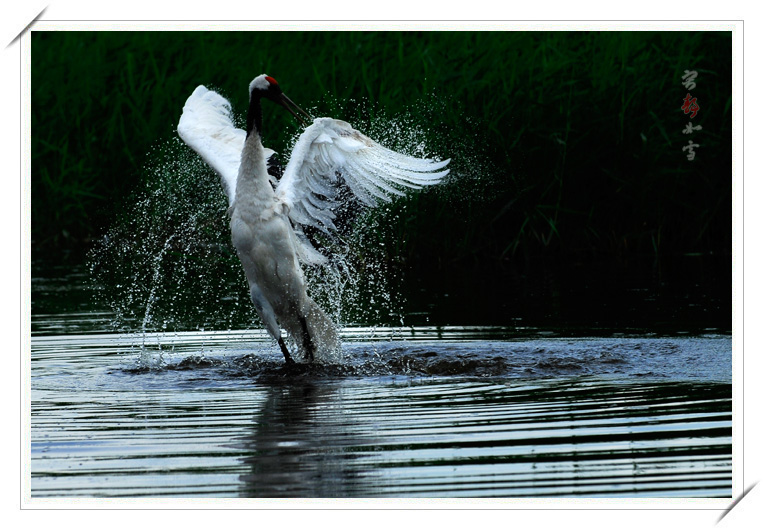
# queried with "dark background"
point(570, 203)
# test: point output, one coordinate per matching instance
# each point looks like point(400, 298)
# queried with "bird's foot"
point(285, 351)
point(307, 341)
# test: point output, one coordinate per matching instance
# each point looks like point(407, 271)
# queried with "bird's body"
point(267, 216)
point(267, 247)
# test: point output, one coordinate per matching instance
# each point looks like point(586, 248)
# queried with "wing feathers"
point(206, 126)
point(330, 149)
point(328, 155)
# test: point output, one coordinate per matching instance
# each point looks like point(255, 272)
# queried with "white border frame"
point(738, 483)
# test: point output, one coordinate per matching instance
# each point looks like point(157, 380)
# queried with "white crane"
point(267, 217)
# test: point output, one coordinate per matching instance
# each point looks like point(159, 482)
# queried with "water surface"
point(420, 411)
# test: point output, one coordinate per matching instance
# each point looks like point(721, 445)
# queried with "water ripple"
point(217, 414)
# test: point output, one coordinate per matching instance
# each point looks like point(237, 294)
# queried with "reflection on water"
point(478, 439)
point(418, 416)
point(302, 445)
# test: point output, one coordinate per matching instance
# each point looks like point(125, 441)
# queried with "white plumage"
point(207, 127)
point(267, 217)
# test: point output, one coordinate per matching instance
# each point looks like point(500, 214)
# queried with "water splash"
point(167, 264)
point(164, 265)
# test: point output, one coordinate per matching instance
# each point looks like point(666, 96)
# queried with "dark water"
point(420, 411)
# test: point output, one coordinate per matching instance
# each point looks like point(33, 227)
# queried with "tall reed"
point(562, 143)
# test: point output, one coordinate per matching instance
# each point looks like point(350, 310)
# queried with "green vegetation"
point(562, 143)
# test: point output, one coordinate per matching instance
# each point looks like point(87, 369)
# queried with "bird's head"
point(264, 86)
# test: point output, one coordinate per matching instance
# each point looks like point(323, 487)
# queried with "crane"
point(268, 217)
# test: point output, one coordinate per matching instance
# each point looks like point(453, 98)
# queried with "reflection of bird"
point(267, 217)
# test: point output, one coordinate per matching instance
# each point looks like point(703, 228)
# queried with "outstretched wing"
point(330, 155)
point(206, 126)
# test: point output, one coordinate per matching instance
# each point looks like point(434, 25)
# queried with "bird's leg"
point(287, 357)
point(307, 341)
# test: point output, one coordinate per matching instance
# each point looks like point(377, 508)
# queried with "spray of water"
point(167, 264)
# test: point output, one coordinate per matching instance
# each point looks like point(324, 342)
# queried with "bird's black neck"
point(254, 116)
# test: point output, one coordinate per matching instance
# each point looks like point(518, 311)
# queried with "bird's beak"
point(294, 109)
